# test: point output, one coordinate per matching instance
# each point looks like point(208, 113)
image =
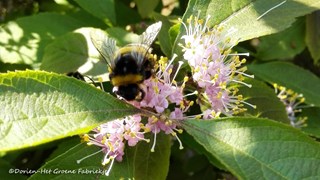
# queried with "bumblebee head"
point(130, 92)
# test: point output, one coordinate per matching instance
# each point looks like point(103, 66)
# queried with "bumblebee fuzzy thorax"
point(130, 65)
point(128, 74)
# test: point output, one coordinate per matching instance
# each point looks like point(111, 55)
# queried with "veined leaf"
point(290, 76)
point(72, 52)
point(38, 107)
point(250, 18)
point(253, 148)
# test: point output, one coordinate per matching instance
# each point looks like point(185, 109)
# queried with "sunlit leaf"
point(38, 107)
point(73, 52)
point(24, 40)
point(248, 16)
point(122, 36)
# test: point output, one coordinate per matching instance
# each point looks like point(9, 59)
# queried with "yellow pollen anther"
point(85, 137)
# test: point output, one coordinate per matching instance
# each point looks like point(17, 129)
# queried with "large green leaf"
point(266, 101)
point(243, 15)
point(70, 52)
point(103, 9)
point(66, 53)
point(138, 163)
point(74, 51)
point(290, 76)
point(253, 148)
point(38, 107)
point(23, 40)
point(313, 35)
point(283, 45)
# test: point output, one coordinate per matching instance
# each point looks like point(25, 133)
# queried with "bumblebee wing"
point(150, 34)
point(145, 41)
point(105, 45)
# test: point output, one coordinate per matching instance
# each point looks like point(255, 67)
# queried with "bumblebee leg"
point(141, 95)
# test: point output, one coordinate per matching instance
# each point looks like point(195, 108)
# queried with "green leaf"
point(243, 15)
point(173, 32)
point(65, 166)
point(266, 101)
point(313, 35)
point(122, 36)
point(122, 18)
point(66, 53)
point(164, 36)
point(313, 121)
point(145, 8)
point(73, 52)
point(7, 171)
point(283, 45)
point(84, 16)
point(253, 148)
point(290, 76)
point(23, 40)
point(5, 67)
point(38, 107)
point(102, 9)
point(191, 143)
point(138, 162)
point(141, 163)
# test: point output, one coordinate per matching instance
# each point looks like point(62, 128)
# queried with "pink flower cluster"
point(161, 91)
point(111, 137)
point(214, 68)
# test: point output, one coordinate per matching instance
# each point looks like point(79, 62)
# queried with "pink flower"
point(214, 68)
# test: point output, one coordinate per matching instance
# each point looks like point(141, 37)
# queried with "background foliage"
point(42, 112)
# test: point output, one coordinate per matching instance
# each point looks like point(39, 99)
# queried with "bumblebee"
point(130, 65)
